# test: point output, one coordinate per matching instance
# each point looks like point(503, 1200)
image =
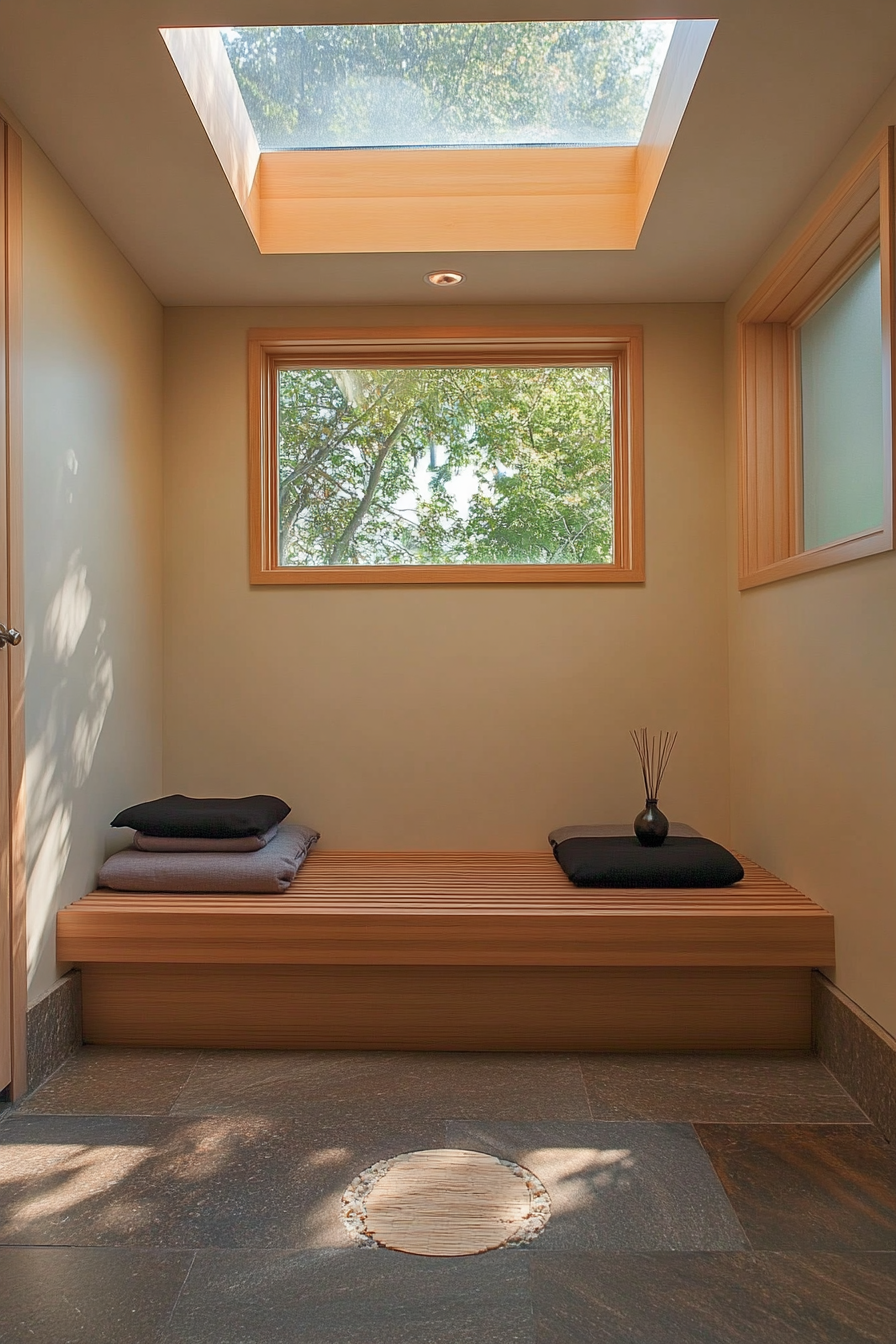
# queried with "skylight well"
point(444, 85)
point(443, 137)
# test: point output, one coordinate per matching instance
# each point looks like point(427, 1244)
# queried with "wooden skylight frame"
point(855, 220)
point(621, 348)
point(438, 200)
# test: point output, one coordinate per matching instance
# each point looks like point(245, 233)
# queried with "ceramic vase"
point(651, 826)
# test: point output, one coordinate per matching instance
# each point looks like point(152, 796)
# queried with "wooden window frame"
point(855, 220)
point(403, 347)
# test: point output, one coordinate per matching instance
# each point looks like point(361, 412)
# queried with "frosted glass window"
point(448, 84)
point(842, 410)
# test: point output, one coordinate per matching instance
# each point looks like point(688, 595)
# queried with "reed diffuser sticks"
point(653, 753)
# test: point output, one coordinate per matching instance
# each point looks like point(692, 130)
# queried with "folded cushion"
point(266, 870)
point(206, 818)
point(610, 829)
point(620, 861)
point(197, 844)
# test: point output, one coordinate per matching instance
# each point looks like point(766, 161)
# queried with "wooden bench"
point(453, 951)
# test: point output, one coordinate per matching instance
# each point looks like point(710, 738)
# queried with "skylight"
point(415, 85)
point(443, 138)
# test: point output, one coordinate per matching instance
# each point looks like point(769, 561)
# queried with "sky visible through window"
point(448, 84)
point(429, 466)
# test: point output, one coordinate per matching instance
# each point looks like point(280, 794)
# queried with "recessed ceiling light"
point(444, 278)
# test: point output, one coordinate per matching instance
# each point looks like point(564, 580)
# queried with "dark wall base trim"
point(858, 1052)
point(53, 1029)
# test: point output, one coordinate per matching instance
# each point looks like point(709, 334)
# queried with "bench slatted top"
point(429, 908)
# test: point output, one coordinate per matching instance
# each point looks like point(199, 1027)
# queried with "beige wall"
point(92, 448)
point(436, 718)
point(442, 717)
point(813, 714)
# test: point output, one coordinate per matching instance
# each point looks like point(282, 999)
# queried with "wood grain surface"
point(447, 1007)
point(446, 1202)
point(453, 909)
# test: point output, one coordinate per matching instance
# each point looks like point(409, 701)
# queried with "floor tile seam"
point(788, 1124)
point(748, 1244)
point(580, 1066)
point(563, 1120)
point(531, 1254)
point(532, 1319)
point(98, 1115)
point(748, 1253)
point(838, 1084)
point(105, 1249)
point(442, 1119)
point(147, 1248)
point(187, 1080)
point(180, 1290)
point(15, 1106)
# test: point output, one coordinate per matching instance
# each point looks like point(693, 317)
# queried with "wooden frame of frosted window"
point(856, 219)
point(617, 347)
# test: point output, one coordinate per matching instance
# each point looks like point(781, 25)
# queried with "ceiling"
point(783, 87)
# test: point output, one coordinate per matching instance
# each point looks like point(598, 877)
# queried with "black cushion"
point(205, 818)
point(620, 861)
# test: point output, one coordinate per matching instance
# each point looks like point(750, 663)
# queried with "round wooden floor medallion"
point(445, 1201)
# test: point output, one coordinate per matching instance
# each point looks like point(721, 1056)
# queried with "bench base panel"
point(447, 1007)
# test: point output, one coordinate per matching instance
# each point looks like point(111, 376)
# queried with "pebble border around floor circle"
point(469, 1231)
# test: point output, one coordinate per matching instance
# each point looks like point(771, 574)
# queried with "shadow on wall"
point(76, 690)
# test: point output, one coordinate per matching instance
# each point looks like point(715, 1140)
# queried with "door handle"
point(9, 636)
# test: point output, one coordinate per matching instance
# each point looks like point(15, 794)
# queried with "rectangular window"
point(445, 466)
point(842, 400)
point(482, 459)
point(816, 348)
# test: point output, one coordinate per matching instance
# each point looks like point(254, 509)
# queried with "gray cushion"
point(610, 829)
point(196, 844)
point(271, 869)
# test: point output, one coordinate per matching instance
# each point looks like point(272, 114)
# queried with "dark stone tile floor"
point(103, 1081)
point(354, 1297)
point(194, 1198)
point(768, 1088)
point(616, 1187)
point(392, 1085)
point(65, 1294)
point(703, 1298)
point(816, 1187)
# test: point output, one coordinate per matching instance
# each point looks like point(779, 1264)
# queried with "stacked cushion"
point(270, 869)
point(208, 845)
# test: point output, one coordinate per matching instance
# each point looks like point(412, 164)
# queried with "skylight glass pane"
point(448, 84)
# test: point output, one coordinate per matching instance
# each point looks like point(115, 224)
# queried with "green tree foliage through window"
point(554, 82)
point(430, 466)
